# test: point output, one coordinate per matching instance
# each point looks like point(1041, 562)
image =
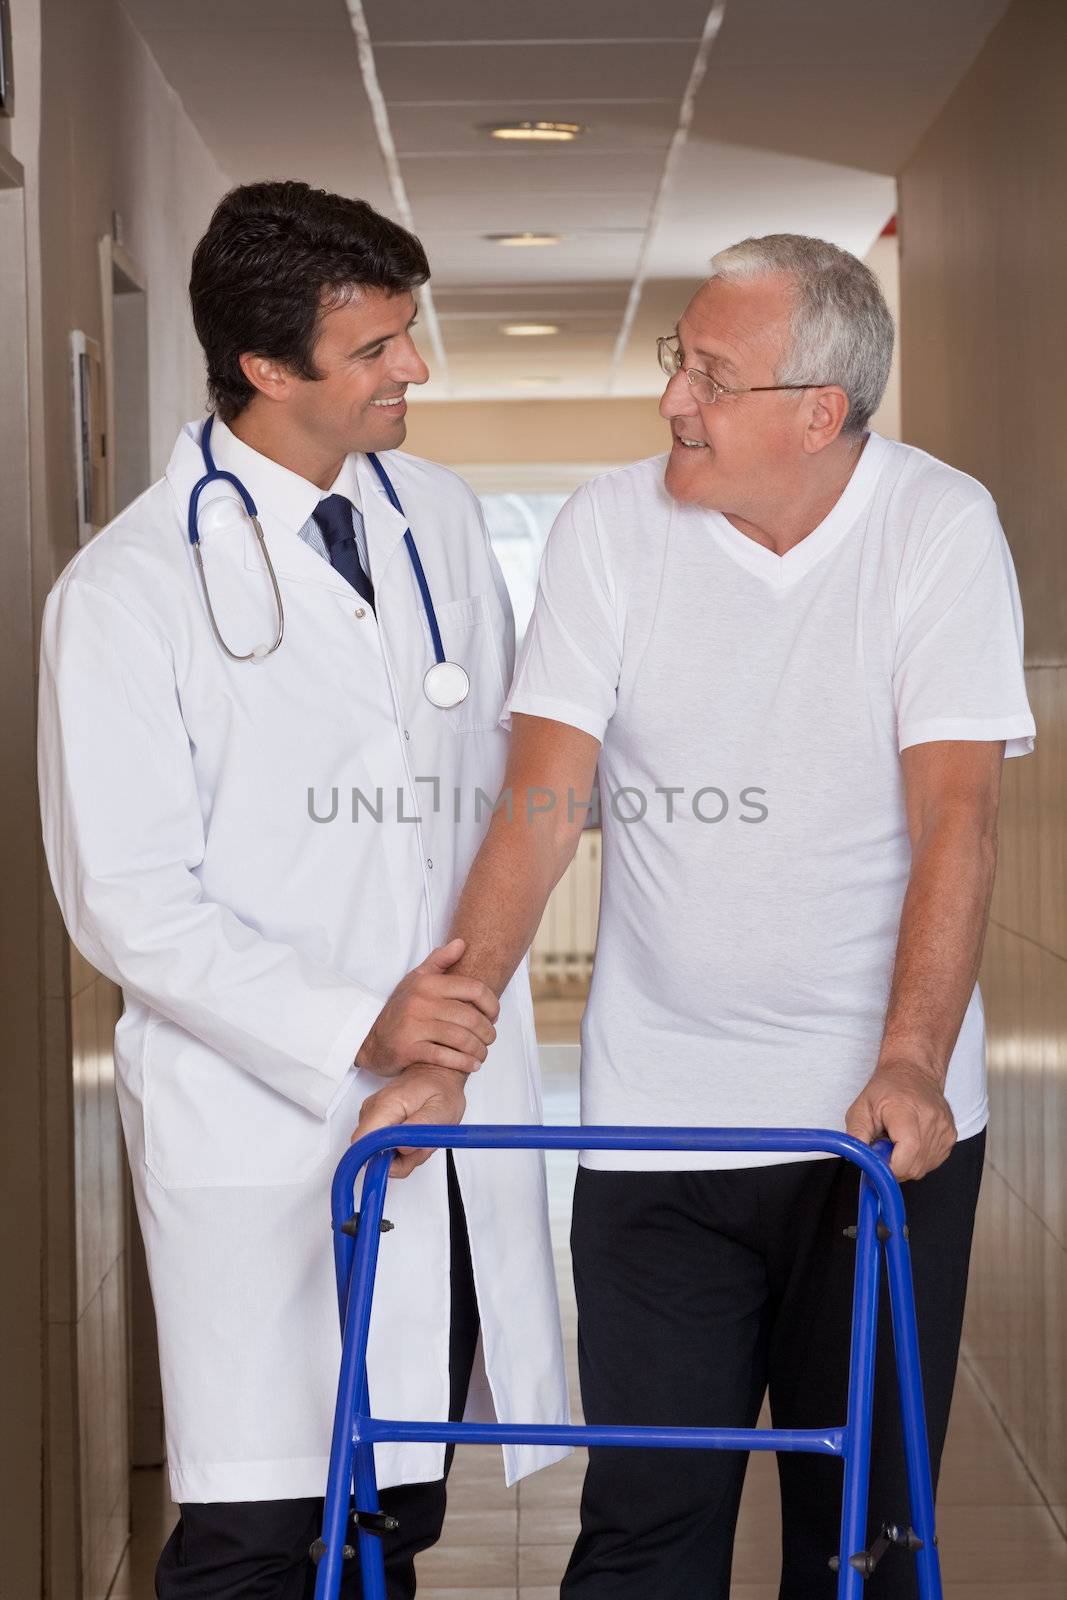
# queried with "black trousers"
point(258, 1549)
point(700, 1291)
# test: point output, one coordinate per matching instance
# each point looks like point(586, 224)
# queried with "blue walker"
point(881, 1222)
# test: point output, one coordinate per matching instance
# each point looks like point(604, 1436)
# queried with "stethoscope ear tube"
point(445, 684)
point(258, 652)
point(212, 474)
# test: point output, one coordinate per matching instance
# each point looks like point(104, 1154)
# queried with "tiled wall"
point(984, 347)
point(100, 1305)
point(1016, 1334)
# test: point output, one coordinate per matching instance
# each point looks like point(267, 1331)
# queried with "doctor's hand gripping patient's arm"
point(523, 856)
point(123, 861)
point(434, 1018)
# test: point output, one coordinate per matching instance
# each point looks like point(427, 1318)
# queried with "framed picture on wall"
point(87, 398)
point(7, 69)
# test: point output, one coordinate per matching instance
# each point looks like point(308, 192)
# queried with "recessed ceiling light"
point(524, 239)
point(528, 330)
point(543, 132)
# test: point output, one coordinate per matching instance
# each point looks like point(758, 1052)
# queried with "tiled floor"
point(998, 1539)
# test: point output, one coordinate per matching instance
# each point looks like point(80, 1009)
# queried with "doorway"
point(128, 473)
point(23, 1330)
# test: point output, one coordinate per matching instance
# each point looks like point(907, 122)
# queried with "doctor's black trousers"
point(258, 1549)
point(699, 1292)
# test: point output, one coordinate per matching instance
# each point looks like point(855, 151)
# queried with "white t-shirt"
point(748, 921)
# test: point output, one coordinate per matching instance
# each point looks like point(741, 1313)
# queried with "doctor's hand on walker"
point(432, 1017)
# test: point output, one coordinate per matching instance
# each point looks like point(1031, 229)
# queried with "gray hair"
point(842, 329)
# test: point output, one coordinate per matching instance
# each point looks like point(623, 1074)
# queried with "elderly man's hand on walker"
point(905, 1101)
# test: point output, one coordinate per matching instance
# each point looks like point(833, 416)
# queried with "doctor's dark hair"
point(274, 257)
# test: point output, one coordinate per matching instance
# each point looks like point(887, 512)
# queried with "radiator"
point(561, 958)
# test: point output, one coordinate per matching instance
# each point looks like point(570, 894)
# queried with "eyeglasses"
point(706, 389)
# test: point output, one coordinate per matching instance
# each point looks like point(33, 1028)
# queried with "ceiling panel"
point(725, 192)
point(540, 301)
point(531, 173)
point(854, 81)
point(294, 108)
point(519, 355)
point(473, 260)
point(460, 128)
point(456, 21)
point(204, 18)
point(533, 72)
point(515, 211)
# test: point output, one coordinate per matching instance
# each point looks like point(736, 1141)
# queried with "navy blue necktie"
point(334, 519)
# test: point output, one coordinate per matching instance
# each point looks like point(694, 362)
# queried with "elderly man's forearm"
point(505, 895)
point(939, 950)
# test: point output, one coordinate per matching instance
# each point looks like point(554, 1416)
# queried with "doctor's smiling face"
point(364, 358)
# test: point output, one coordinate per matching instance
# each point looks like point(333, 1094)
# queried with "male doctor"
point(277, 940)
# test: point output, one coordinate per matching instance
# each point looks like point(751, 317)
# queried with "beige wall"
point(105, 136)
point(533, 432)
point(884, 261)
point(983, 248)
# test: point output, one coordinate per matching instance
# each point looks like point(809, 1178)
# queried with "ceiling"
point(801, 118)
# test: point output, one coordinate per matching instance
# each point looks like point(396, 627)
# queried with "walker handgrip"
point(871, 1159)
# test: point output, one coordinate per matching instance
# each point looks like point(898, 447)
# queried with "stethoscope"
point(445, 684)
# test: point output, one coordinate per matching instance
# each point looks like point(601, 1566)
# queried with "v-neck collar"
point(781, 572)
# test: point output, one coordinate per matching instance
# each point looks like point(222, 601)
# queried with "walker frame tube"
point(881, 1221)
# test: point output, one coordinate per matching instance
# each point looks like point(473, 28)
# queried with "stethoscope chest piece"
point(446, 684)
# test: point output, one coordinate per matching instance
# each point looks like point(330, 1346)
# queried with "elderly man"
point(794, 647)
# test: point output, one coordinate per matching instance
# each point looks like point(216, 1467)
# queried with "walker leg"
point(352, 1408)
point(857, 1452)
point(913, 1413)
point(334, 1529)
point(371, 1557)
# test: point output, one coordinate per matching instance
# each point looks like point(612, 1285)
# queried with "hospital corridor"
point(534, 595)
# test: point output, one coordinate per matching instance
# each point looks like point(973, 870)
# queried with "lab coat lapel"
point(384, 524)
point(293, 560)
point(296, 561)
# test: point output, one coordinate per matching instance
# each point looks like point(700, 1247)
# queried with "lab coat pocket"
point(468, 635)
point(210, 1124)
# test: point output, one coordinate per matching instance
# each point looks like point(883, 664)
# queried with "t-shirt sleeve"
point(958, 670)
point(568, 668)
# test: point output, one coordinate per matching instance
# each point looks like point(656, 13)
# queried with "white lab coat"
point(255, 946)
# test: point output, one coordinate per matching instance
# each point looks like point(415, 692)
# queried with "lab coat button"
point(406, 734)
point(429, 863)
point(360, 612)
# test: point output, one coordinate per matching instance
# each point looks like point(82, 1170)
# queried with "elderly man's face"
point(724, 454)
